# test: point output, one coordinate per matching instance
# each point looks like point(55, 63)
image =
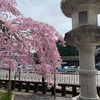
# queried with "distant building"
point(70, 60)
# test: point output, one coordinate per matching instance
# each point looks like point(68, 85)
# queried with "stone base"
point(83, 98)
point(75, 98)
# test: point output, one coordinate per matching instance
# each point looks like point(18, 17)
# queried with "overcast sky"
point(47, 11)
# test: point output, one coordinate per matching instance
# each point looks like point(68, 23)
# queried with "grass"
point(69, 95)
point(5, 95)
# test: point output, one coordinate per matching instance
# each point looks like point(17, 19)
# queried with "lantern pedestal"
point(86, 42)
point(87, 72)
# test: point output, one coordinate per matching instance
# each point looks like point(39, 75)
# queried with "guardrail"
point(68, 78)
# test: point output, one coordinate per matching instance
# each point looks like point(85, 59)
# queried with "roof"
point(70, 58)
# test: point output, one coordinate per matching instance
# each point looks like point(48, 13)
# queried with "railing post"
point(52, 90)
point(27, 86)
point(20, 86)
point(44, 86)
point(35, 87)
point(63, 90)
point(74, 91)
point(12, 85)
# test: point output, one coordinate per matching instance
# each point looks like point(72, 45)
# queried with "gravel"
point(30, 96)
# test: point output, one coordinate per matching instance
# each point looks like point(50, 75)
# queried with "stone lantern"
point(85, 35)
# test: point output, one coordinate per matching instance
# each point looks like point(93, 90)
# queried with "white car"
point(71, 69)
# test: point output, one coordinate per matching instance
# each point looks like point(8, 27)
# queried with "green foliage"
point(67, 50)
point(4, 95)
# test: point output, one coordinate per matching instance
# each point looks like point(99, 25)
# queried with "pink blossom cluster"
point(22, 38)
point(9, 6)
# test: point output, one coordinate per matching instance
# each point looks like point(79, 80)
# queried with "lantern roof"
point(68, 6)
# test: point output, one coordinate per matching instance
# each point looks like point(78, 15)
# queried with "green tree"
point(67, 50)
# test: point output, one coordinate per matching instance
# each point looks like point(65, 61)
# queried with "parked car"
point(67, 69)
point(71, 69)
point(61, 69)
point(97, 66)
point(28, 68)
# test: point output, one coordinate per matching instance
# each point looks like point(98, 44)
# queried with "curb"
point(12, 97)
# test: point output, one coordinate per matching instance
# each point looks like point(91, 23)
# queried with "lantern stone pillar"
point(85, 35)
point(87, 72)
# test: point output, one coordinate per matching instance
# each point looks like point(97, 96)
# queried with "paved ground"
point(30, 96)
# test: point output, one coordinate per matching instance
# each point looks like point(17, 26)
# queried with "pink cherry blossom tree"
point(26, 41)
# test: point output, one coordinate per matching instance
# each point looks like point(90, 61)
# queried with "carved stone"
point(83, 34)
